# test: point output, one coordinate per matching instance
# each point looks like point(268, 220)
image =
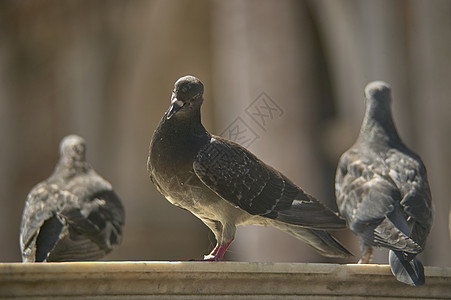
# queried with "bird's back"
point(67, 219)
point(375, 181)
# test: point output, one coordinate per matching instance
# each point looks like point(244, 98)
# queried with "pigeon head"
point(73, 148)
point(378, 123)
point(378, 92)
point(187, 95)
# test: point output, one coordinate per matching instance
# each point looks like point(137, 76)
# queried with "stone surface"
point(222, 280)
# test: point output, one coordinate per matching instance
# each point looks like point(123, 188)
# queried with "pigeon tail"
point(408, 272)
point(320, 240)
point(387, 235)
point(311, 213)
point(75, 248)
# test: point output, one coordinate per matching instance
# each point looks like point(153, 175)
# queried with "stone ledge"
point(222, 280)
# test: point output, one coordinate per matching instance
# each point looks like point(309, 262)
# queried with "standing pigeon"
point(74, 214)
point(383, 192)
point(225, 185)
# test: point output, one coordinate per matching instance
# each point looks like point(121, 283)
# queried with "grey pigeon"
point(225, 185)
point(73, 215)
point(382, 190)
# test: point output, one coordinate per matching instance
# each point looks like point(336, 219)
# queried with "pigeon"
point(74, 215)
point(383, 192)
point(225, 185)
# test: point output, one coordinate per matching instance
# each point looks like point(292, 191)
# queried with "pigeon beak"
point(175, 106)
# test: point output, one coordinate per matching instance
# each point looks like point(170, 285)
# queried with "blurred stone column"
point(8, 231)
point(263, 62)
point(430, 29)
point(365, 41)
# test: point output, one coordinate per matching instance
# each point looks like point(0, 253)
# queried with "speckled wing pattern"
point(43, 201)
point(238, 176)
point(377, 194)
point(58, 226)
point(409, 174)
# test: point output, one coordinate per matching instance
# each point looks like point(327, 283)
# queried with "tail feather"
point(408, 272)
point(311, 213)
point(77, 248)
point(320, 240)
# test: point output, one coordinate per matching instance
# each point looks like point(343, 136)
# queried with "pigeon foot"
point(218, 252)
point(367, 255)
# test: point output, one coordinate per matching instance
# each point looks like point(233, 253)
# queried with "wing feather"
point(370, 198)
point(241, 178)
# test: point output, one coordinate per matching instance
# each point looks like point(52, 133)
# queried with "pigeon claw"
point(217, 254)
point(211, 258)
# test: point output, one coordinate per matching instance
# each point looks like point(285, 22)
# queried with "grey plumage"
point(225, 185)
point(74, 214)
point(382, 190)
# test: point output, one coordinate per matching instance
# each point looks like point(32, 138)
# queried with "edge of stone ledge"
point(188, 266)
point(221, 280)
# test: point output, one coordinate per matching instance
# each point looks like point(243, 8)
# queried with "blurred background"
point(105, 70)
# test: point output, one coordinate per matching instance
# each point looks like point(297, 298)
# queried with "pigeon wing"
point(238, 176)
point(363, 195)
point(369, 199)
point(40, 206)
point(241, 178)
point(95, 227)
point(409, 174)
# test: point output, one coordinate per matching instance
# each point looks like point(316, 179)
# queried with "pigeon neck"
point(187, 123)
point(177, 141)
point(378, 125)
point(70, 167)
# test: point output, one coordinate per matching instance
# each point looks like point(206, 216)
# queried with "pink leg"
point(214, 251)
point(218, 252)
